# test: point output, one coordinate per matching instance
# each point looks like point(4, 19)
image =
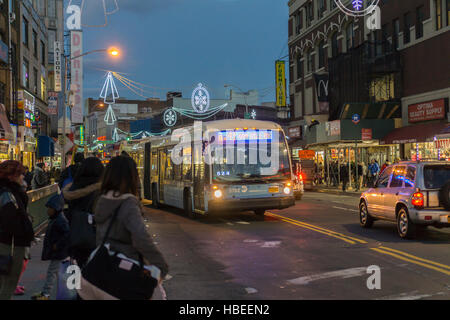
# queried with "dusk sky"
point(175, 44)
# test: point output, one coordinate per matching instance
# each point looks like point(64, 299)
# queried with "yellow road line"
point(417, 258)
point(318, 229)
point(411, 261)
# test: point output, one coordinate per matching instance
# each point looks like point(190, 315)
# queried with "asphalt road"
point(315, 250)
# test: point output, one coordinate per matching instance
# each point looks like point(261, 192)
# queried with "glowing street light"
point(114, 52)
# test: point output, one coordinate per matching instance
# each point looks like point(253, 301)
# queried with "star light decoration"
point(253, 114)
point(170, 117)
point(109, 94)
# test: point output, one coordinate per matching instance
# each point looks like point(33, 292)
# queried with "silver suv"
point(412, 194)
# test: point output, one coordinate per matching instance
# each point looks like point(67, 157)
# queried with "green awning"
point(379, 110)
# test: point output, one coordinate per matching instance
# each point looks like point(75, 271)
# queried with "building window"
point(350, 35)
point(378, 43)
point(395, 32)
point(438, 7)
point(333, 4)
point(322, 54)
point(35, 80)
point(52, 8)
point(309, 62)
point(320, 8)
point(35, 44)
point(298, 22)
point(334, 44)
point(43, 53)
point(309, 14)
point(25, 73)
point(25, 32)
point(299, 67)
point(406, 28)
point(384, 38)
point(43, 88)
point(419, 22)
point(448, 13)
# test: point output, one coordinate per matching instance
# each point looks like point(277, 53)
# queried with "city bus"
point(228, 181)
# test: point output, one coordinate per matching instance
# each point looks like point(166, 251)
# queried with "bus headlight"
point(287, 190)
point(218, 193)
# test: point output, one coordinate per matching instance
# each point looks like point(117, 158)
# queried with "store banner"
point(77, 76)
point(53, 103)
point(306, 154)
point(442, 143)
point(58, 50)
point(280, 70)
point(5, 128)
point(432, 110)
point(366, 134)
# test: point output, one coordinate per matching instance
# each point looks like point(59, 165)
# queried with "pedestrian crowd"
point(95, 222)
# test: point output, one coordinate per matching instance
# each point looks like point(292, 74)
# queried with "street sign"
point(356, 118)
point(306, 154)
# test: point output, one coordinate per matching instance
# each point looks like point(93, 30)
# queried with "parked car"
point(412, 194)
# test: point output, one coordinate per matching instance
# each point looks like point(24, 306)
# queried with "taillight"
point(417, 200)
point(300, 177)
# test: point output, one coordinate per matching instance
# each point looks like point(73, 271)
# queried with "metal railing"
point(36, 204)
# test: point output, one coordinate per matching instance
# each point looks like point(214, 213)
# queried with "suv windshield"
point(253, 171)
point(436, 176)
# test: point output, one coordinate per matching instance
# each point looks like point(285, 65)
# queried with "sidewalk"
point(337, 190)
point(34, 276)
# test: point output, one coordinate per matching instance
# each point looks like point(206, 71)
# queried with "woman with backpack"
point(81, 196)
point(16, 229)
point(120, 223)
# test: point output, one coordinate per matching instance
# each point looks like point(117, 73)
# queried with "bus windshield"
point(259, 156)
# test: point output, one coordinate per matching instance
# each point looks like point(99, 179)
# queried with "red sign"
point(306, 154)
point(103, 138)
point(366, 134)
point(425, 111)
point(442, 143)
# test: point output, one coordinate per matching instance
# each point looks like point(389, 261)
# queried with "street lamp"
point(112, 51)
point(241, 91)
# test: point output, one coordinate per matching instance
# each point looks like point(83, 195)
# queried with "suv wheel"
point(365, 219)
point(406, 228)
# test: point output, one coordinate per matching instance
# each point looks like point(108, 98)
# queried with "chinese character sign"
point(280, 83)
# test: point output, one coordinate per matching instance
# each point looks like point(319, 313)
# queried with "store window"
point(309, 62)
point(35, 44)
point(35, 80)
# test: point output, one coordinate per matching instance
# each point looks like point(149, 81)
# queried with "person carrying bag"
point(126, 264)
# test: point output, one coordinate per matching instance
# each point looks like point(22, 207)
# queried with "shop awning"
point(376, 110)
point(6, 132)
point(417, 133)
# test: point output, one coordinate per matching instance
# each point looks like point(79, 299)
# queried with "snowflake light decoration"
point(108, 7)
point(200, 99)
point(253, 114)
point(357, 4)
point(170, 117)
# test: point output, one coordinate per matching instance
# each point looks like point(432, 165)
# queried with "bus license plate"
point(274, 190)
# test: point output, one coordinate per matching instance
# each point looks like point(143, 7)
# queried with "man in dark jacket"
point(56, 244)
point(40, 178)
point(78, 159)
point(344, 176)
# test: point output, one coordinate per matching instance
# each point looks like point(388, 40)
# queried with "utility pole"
point(11, 92)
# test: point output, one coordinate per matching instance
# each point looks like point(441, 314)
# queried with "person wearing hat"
point(56, 244)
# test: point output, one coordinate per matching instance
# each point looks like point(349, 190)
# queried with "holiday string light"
point(109, 94)
point(357, 4)
point(118, 133)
